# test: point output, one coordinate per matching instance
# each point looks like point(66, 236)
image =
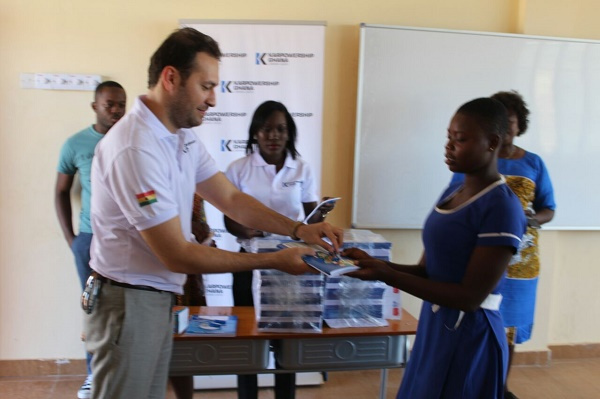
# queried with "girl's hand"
point(355, 253)
point(370, 269)
point(251, 233)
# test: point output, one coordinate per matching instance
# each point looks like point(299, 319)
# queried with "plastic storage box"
point(287, 303)
point(350, 302)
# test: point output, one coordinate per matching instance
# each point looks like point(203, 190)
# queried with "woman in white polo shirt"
point(272, 172)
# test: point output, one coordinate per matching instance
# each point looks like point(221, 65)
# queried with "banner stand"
point(261, 60)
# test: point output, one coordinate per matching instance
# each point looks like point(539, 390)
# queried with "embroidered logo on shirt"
point(147, 198)
point(186, 146)
point(291, 183)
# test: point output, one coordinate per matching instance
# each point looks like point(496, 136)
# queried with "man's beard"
point(181, 114)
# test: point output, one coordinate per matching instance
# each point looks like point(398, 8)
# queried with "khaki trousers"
point(130, 334)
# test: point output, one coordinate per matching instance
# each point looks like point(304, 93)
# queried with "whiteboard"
point(411, 81)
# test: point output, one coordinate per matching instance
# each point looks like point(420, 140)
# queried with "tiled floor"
point(572, 379)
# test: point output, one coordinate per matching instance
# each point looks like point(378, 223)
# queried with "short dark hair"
point(513, 101)
point(262, 113)
point(104, 85)
point(179, 51)
point(489, 113)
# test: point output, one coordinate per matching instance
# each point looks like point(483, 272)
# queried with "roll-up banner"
point(262, 60)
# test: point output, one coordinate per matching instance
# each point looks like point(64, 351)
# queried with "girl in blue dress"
point(460, 350)
point(528, 178)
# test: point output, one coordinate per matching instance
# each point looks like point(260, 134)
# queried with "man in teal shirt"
point(76, 157)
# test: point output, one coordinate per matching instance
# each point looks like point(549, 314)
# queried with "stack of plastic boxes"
point(374, 244)
point(351, 302)
point(283, 302)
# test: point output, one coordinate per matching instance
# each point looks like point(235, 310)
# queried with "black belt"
point(108, 281)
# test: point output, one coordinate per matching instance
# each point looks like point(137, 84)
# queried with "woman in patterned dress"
point(528, 177)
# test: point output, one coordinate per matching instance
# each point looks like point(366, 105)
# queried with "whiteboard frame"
point(360, 99)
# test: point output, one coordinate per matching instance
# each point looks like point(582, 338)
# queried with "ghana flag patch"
point(147, 198)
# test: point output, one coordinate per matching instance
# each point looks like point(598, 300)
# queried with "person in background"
point(528, 178)
point(76, 157)
point(460, 350)
point(273, 173)
point(193, 290)
point(144, 176)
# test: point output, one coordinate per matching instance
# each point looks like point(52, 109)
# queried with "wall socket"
point(60, 81)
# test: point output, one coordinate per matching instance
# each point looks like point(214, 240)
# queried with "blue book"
point(326, 263)
point(223, 326)
point(330, 265)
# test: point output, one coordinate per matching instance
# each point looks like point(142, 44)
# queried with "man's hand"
point(314, 233)
point(290, 260)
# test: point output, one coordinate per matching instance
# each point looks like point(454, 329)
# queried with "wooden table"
point(334, 349)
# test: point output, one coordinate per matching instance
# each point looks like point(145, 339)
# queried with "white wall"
point(39, 310)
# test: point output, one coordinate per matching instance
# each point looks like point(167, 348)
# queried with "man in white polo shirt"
point(144, 176)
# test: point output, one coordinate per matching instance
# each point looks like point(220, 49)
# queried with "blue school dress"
point(528, 178)
point(463, 354)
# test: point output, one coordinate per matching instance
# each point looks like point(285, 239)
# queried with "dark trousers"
point(81, 251)
point(285, 384)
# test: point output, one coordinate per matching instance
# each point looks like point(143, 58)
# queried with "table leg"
point(383, 383)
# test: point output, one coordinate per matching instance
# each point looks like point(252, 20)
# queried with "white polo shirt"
point(142, 176)
point(283, 192)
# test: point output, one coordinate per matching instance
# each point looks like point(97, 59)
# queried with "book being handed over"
point(323, 261)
